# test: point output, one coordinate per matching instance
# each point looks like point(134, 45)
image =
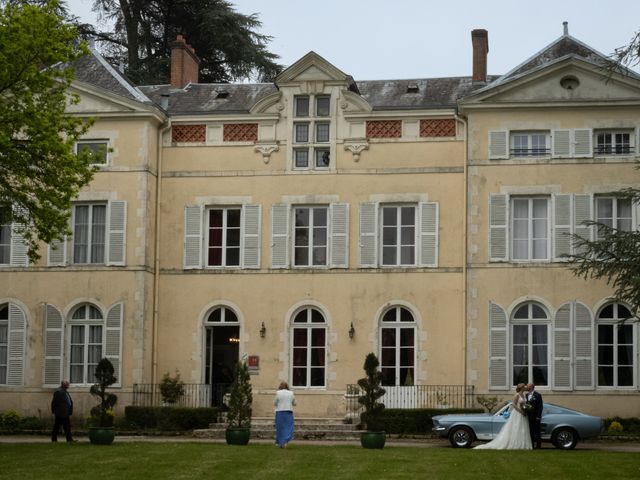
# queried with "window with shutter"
point(561, 143)
point(498, 211)
point(583, 324)
point(16, 345)
point(53, 346)
point(251, 235)
point(308, 332)
point(280, 236)
point(113, 339)
point(339, 248)
point(18, 249)
point(498, 145)
point(429, 234)
point(369, 235)
point(86, 343)
point(562, 347)
point(498, 377)
point(562, 226)
point(89, 233)
point(192, 236)
point(117, 232)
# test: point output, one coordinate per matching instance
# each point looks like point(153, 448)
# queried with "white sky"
point(395, 39)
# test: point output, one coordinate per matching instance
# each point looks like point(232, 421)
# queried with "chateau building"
point(304, 223)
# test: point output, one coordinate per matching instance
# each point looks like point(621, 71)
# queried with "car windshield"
point(501, 408)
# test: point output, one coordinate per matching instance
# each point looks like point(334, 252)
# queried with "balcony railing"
point(416, 396)
point(195, 395)
point(614, 150)
point(530, 152)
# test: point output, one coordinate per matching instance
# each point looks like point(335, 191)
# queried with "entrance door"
point(222, 348)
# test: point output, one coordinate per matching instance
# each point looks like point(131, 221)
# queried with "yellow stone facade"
point(404, 225)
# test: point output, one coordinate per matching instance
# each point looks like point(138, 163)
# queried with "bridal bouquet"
point(527, 407)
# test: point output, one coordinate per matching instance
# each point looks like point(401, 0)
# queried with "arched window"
point(530, 344)
point(222, 315)
point(616, 347)
point(4, 343)
point(86, 337)
point(309, 348)
point(397, 347)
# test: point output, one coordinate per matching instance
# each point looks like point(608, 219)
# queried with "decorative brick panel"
point(240, 132)
point(384, 129)
point(443, 127)
point(188, 133)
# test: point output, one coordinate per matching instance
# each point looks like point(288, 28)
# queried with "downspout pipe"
point(156, 260)
point(465, 244)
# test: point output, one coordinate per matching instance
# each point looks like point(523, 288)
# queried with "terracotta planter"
point(101, 435)
point(237, 435)
point(372, 439)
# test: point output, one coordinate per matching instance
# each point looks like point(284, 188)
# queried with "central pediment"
point(312, 67)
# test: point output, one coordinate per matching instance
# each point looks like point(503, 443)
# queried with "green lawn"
point(260, 461)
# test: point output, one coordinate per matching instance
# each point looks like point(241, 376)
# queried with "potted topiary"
point(374, 437)
point(239, 414)
point(171, 389)
point(101, 420)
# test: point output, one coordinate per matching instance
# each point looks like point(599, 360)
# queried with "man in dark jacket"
point(62, 408)
point(534, 415)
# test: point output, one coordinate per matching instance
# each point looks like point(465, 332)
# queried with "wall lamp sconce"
point(352, 331)
point(263, 331)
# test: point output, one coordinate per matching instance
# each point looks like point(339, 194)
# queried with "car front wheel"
point(461, 437)
point(565, 438)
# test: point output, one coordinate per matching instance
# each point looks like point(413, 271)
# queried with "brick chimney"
point(480, 41)
point(184, 63)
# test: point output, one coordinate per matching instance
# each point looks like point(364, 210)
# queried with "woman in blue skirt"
point(284, 402)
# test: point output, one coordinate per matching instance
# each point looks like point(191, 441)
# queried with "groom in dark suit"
point(534, 415)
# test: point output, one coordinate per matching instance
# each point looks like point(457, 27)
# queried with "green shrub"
point(630, 426)
point(33, 423)
point(170, 418)
point(10, 420)
point(416, 421)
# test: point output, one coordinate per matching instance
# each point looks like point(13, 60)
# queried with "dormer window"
point(311, 132)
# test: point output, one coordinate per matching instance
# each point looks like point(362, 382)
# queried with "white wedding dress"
point(515, 433)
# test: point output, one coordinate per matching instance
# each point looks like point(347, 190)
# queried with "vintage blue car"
point(562, 426)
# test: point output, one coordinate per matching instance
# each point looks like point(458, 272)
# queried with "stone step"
point(308, 428)
point(269, 433)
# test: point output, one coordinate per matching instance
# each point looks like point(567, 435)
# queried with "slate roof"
point(431, 92)
point(95, 70)
point(201, 98)
point(381, 94)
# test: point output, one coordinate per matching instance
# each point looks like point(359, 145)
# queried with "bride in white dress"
point(515, 433)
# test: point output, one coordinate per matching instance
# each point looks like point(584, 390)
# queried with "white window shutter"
point(58, 253)
point(498, 234)
point(193, 236)
point(429, 234)
point(562, 226)
point(368, 235)
point(251, 235)
point(562, 347)
point(498, 341)
point(339, 235)
point(583, 143)
point(117, 233)
point(583, 348)
point(17, 346)
point(561, 144)
point(18, 255)
point(498, 144)
point(582, 212)
point(280, 235)
point(113, 338)
point(53, 346)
